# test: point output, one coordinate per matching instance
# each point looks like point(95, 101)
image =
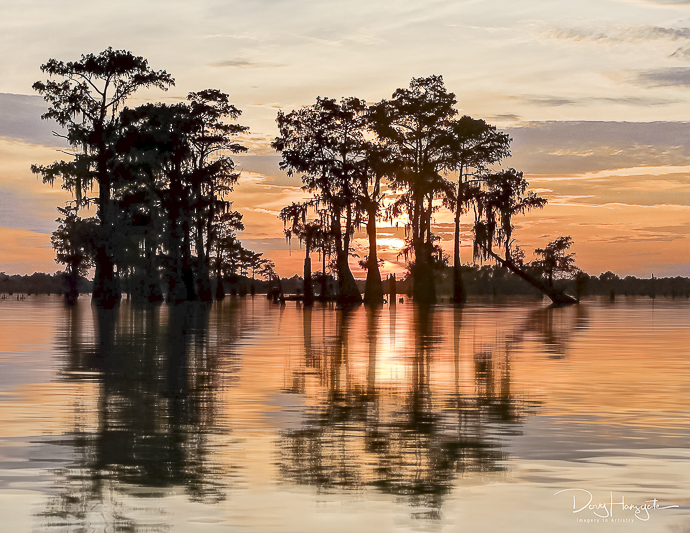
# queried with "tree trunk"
point(154, 294)
point(348, 292)
point(177, 291)
point(557, 297)
point(423, 283)
point(373, 289)
point(106, 292)
point(187, 272)
point(308, 290)
point(220, 290)
point(72, 293)
point(203, 280)
point(324, 279)
point(459, 295)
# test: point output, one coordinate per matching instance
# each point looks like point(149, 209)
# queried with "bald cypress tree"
point(73, 243)
point(85, 97)
point(325, 144)
point(505, 195)
point(415, 125)
point(474, 145)
point(213, 175)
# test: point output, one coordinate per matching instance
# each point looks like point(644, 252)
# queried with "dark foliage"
point(163, 174)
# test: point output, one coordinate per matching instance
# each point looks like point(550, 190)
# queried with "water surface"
point(251, 417)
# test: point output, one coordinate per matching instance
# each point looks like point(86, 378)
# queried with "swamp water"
point(251, 417)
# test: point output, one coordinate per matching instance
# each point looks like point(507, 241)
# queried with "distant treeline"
point(486, 280)
point(58, 283)
point(492, 280)
point(40, 283)
point(609, 284)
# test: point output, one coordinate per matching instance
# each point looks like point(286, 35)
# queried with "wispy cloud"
point(26, 212)
point(557, 101)
point(364, 38)
point(245, 63)
point(634, 35)
point(682, 53)
point(548, 101)
point(635, 101)
point(602, 150)
point(506, 117)
point(663, 77)
point(262, 210)
point(626, 34)
point(640, 236)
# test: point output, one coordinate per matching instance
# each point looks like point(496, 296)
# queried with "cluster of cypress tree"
point(164, 225)
point(403, 159)
point(162, 173)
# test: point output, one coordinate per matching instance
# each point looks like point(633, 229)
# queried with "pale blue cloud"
point(22, 212)
point(567, 147)
point(663, 77)
point(20, 118)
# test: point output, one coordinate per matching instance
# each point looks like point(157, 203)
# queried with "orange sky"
point(594, 94)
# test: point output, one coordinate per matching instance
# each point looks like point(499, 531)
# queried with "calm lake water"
point(251, 417)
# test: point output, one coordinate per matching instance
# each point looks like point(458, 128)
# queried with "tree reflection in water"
point(408, 439)
point(157, 424)
point(554, 328)
point(404, 402)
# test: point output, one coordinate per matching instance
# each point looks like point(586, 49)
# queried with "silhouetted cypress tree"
point(325, 143)
point(474, 145)
point(73, 242)
point(86, 100)
point(213, 171)
point(415, 125)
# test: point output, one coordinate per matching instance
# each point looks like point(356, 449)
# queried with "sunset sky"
point(595, 94)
